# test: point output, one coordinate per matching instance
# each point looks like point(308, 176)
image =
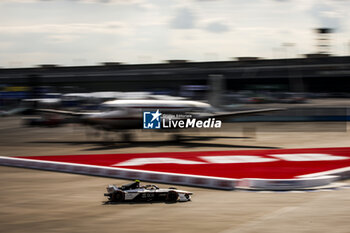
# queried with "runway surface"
point(41, 201)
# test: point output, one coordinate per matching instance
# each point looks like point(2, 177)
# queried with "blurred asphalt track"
point(41, 201)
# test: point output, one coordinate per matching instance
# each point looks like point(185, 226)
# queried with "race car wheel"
point(118, 196)
point(172, 196)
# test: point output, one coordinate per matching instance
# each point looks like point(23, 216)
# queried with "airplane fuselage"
point(127, 114)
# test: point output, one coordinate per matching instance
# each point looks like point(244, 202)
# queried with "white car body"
point(146, 193)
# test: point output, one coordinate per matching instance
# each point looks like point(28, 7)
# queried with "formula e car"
point(136, 192)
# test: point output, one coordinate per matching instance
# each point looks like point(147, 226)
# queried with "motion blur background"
point(73, 55)
point(263, 50)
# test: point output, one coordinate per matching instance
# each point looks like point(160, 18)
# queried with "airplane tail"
point(216, 90)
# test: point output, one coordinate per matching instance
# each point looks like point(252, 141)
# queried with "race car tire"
point(172, 196)
point(118, 196)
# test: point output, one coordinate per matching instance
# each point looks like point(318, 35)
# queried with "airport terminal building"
point(310, 74)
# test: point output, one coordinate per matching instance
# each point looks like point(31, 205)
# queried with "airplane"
point(124, 115)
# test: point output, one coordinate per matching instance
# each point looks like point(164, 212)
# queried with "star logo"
point(156, 115)
point(151, 120)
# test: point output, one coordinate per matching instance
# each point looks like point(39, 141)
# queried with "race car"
point(136, 192)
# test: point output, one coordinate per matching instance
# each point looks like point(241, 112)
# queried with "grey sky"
point(87, 32)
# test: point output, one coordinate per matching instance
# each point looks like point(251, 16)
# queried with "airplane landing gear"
point(127, 137)
point(177, 137)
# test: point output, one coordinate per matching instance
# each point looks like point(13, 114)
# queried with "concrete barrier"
point(302, 182)
point(342, 173)
point(285, 184)
point(152, 176)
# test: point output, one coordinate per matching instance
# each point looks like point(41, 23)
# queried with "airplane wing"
point(63, 112)
point(13, 111)
point(243, 113)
